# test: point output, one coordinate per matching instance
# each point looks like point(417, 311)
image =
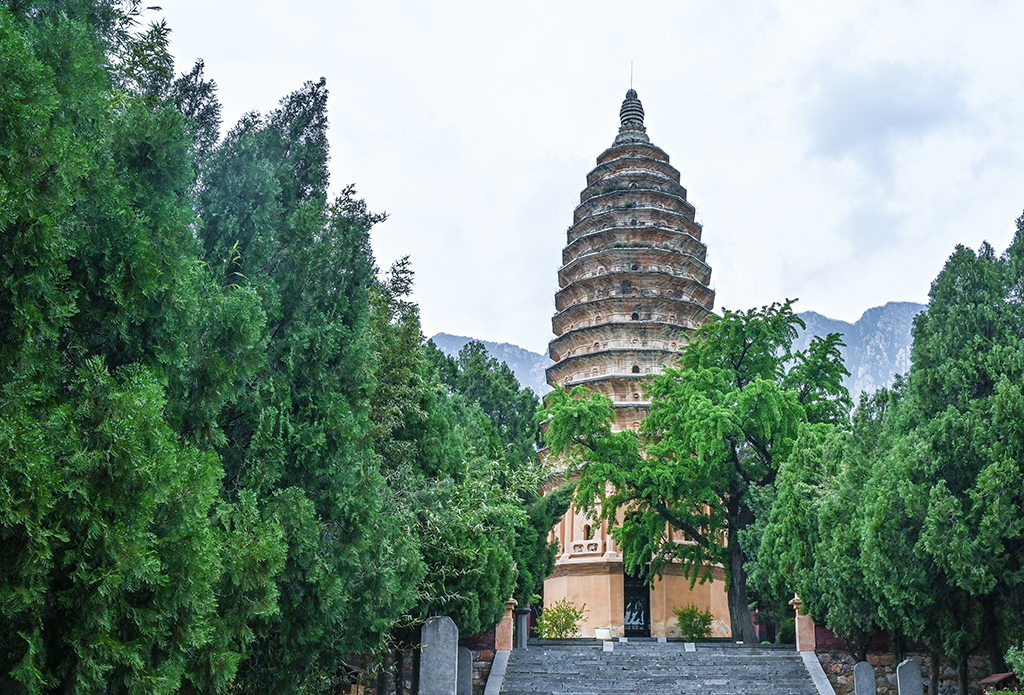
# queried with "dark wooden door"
point(637, 601)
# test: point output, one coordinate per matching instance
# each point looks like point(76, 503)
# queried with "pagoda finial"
point(632, 112)
point(631, 116)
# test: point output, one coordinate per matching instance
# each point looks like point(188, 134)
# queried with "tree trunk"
point(382, 675)
point(935, 663)
point(739, 607)
point(990, 634)
point(399, 671)
point(961, 674)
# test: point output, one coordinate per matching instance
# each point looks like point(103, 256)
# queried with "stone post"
point(465, 677)
point(805, 641)
point(503, 630)
point(522, 627)
point(863, 679)
point(908, 678)
point(439, 657)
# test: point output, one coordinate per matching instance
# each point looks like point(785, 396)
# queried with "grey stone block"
point(863, 679)
point(439, 657)
point(908, 678)
point(465, 673)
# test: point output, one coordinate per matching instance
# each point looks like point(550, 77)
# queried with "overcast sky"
point(836, 152)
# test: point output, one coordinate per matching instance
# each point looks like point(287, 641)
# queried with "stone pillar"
point(805, 641)
point(503, 630)
point(522, 627)
point(863, 679)
point(464, 684)
point(439, 657)
point(908, 678)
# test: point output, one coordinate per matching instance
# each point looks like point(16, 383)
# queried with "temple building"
point(633, 285)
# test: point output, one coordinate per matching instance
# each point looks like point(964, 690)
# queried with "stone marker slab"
point(689, 646)
point(465, 673)
point(908, 678)
point(608, 645)
point(623, 639)
point(863, 679)
point(662, 640)
point(439, 657)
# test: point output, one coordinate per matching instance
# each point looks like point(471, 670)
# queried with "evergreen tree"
point(111, 544)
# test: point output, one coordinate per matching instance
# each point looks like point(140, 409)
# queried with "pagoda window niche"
point(636, 369)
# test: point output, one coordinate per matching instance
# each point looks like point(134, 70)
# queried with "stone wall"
point(838, 666)
point(483, 659)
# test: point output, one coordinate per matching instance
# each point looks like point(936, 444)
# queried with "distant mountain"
point(877, 345)
point(527, 366)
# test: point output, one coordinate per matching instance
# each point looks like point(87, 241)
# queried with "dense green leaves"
point(914, 522)
point(109, 514)
point(229, 460)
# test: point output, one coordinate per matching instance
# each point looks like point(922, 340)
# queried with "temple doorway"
point(637, 604)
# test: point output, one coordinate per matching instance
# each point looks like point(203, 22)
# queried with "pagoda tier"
point(634, 281)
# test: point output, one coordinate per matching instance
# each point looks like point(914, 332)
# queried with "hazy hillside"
point(877, 345)
point(527, 366)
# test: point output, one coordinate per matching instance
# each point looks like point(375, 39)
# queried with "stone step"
point(638, 666)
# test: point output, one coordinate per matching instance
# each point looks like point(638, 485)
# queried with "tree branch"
point(688, 529)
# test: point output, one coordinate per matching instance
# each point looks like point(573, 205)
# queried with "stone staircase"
point(646, 666)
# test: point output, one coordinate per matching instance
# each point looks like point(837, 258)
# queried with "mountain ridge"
point(878, 346)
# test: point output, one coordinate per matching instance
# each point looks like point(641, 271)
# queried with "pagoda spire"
point(631, 119)
point(632, 112)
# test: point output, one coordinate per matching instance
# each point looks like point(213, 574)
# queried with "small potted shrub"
point(694, 624)
point(561, 620)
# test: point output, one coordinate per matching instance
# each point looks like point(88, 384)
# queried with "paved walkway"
point(582, 667)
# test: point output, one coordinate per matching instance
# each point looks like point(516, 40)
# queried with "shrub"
point(561, 620)
point(1015, 660)
point(694, 624)
point(787, 632)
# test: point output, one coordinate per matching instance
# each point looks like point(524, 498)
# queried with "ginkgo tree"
point(721, 423)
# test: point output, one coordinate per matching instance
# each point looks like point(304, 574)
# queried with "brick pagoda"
point(633, 285)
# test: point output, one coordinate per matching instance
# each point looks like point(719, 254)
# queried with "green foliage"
point(912, 521)
point(812, 544)
point(115, 544)
point(949, 513)
point(694, 624)
point(561, 620)
point(468, 533)
point(1015, 658)
point(506, 432)
point(509, 407)
point(787, 632)
point(721, 424)
point(534, 556)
